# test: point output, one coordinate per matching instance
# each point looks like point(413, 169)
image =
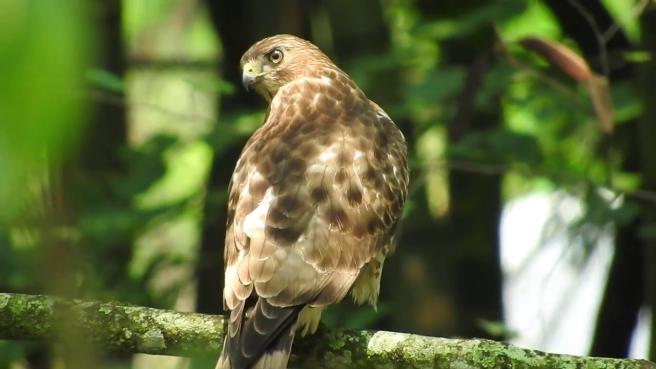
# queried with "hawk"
point(313, 202)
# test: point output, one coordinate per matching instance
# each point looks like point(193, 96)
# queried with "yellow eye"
point(275, 56)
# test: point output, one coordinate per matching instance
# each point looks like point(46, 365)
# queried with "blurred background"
point(532, 213)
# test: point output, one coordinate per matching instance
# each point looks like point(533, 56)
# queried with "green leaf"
point(105, 80)
point(496, 329)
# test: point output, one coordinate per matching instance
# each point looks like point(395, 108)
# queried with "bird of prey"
point(313, 205)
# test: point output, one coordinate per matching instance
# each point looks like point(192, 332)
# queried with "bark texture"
point(133, 329)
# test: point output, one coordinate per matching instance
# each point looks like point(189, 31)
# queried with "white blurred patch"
point(551, 303)
point(642, 335)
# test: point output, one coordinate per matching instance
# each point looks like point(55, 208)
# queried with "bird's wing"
point(315, 195)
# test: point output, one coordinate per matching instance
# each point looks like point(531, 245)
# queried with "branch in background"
point(135, 329)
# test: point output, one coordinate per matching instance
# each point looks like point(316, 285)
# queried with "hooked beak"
point(248, 81)
point(248, 76)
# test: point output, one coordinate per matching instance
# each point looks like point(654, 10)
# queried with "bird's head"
point(277, 60)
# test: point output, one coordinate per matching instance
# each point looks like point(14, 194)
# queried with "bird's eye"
point(275, 56)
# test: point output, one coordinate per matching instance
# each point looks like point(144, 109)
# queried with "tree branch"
point(134, 329)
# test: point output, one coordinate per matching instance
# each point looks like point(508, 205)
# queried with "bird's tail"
point(261, 341)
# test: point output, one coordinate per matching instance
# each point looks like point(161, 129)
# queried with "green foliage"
point(498, 147)
point(105, 80)
point(472, 19)
point(43, 56)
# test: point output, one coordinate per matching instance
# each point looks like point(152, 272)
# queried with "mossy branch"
point(123, 328)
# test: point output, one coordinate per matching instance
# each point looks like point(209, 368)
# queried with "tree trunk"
point(623, 296)
point(107, 128)
point(475, 204)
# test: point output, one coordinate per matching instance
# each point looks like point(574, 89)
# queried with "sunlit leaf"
point(637, 56)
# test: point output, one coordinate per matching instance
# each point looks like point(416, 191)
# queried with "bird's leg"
point(367, 285)
point(308, 320)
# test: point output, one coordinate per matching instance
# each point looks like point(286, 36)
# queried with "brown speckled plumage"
point(314, 202)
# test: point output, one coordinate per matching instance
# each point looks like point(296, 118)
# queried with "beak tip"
point(248, 82)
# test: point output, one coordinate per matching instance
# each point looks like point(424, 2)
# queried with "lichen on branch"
point(136, 329)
